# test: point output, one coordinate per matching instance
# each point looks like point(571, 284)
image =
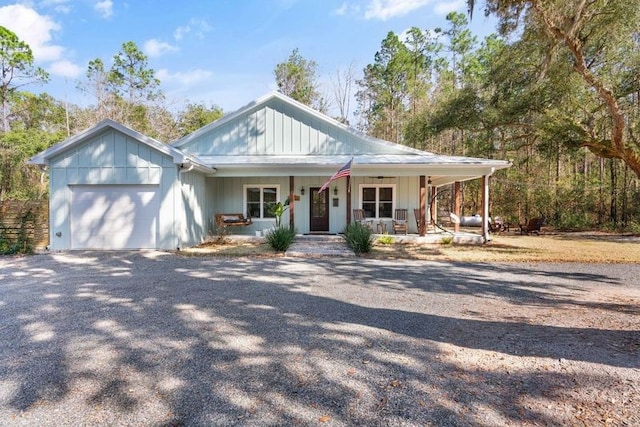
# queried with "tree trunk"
point(613, 207)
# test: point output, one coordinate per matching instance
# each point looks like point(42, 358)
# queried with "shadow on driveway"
point(158, 339)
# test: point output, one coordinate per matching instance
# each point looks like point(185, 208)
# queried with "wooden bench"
point(232, 220)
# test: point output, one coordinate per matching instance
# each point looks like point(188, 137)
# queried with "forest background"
point(555, 91)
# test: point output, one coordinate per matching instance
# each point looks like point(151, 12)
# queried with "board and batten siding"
point(277, 129)
point(111, 158)
point(225, 195)
point(407, 196)
point(193, 226)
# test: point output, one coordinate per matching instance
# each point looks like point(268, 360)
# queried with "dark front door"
point(319, 209)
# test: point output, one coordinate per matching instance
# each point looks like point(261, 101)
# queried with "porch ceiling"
point(442, 169)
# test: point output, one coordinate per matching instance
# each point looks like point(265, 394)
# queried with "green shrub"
point(446, 240)
point(280, 238)
point(574, 222)
point(358, 237)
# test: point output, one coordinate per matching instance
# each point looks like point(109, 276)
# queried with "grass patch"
point(231, 248)
point(562, 247)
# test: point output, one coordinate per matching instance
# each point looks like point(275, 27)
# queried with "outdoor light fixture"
point(302, 190)
point(335, 191)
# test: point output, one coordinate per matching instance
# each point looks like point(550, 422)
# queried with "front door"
point(319, 209)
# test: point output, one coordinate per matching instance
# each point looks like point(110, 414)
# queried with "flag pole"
point(349, 200)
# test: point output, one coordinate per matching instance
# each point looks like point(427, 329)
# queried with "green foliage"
point(278, 209)
point(280, 238)
point(574, 221)
point(358, 237)
point(196, 116)
point(20, 245)
point(386, 239)
point(446, 240)
point(297, 79)
point(127, 92)
point(16, 70)
point(130, 76)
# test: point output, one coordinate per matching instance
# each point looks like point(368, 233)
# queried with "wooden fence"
point(28, 218)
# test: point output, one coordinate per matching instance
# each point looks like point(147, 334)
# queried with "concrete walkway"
point(318, 246)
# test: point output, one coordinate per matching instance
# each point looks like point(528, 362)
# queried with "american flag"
point(342, 172)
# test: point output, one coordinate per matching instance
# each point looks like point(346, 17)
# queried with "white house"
point(114, 188)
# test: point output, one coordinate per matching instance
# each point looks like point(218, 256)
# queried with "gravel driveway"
point(150, 338)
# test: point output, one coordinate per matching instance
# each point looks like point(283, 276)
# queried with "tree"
point(127, 92)
point(130, 76)
point(197, 115)
point(596, 42)
point(297, 79)
point(383, 93)
point(17, 70)
point(342, 84)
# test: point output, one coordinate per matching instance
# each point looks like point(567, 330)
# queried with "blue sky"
point(221, 52)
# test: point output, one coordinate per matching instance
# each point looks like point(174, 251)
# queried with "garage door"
point(114, 217)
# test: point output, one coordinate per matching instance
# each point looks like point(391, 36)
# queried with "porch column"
point(348, 199)
point(423, 205)
point(485, 208)
point(434, 205)
point(456, 204)
point(292, 203)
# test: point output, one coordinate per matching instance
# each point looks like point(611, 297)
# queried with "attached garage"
point(112, 188)
point(114, 216)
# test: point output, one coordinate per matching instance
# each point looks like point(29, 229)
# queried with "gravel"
point(159, 339)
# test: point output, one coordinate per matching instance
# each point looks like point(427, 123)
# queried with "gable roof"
point(283, 107)
point(178, 156)
point(277, 135)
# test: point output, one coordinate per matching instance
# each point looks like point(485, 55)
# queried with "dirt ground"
point(550, 246)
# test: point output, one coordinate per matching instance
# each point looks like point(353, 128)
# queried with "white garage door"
point(114, 216)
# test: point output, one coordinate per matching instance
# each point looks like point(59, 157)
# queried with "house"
point(114, 188)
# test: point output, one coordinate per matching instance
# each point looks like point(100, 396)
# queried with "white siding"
point(276, 128)
point(193, 225)
point(111, 158)
point(114, 216)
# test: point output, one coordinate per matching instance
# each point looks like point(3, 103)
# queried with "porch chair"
point(360, 218)
point(533, 225)
point(400, 221)
point(497, 225)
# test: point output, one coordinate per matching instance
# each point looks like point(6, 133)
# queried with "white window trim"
point(377, 187)
point(261, 187)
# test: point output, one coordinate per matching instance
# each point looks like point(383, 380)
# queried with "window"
point(377, 200)
point(259, 199)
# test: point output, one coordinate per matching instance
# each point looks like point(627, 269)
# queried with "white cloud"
point(443, 8)
point(60, 6)
point(185, 79)
point(65, 68)
point(180, 32)
point(386, 9)
point(199, 27)
point(104, 8)
point(342, 10)
point(34, 29)
point(155, 48)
